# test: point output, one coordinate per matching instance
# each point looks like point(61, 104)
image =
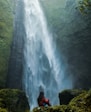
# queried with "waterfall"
point(42, 65)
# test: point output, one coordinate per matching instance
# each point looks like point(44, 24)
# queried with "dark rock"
point(15, 69)
point(67, 95)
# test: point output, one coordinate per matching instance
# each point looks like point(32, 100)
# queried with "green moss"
point(13, 100)
point(3, 110)
point(81, 103)
point(57, 108)
point(6, 29)
point(85, 6)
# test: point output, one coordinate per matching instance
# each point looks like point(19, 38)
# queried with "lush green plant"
point(85, 6)
point(82, 103)
point(13, 100)
point(3, 110)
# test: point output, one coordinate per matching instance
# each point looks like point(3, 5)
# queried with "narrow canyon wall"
point(14, 77)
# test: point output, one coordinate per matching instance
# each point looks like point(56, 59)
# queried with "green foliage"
point(82, 103)
point(6, 29)
point(3, 110)
point(57, 108)
point(13, 100)
point(85, 6)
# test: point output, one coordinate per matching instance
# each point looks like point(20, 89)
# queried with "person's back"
point(42, 101)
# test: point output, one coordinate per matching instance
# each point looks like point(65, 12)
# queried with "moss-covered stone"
point(13, 100)
point(57, 108)
point(82, 103)
point(67, 95)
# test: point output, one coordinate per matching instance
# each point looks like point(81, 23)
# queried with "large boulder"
point(13, 100)
point(67, 95)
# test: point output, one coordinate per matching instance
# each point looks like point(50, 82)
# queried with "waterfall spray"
point(42, 67)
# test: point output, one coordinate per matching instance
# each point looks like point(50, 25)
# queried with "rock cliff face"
point(6, 31)
point(14, 77)
point(78, 46)
point(73, 36)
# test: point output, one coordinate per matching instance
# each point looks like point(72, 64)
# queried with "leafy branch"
point(84, 6)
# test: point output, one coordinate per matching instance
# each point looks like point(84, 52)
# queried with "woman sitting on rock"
point(42, 101)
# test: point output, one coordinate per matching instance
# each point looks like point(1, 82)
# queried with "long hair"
point(41, 95)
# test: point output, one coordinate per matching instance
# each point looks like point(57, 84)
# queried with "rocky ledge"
point(14, 100)
point(71, 101)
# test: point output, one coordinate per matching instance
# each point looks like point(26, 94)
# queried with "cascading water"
point(41, 63)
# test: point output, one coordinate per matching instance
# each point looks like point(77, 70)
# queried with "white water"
point(42, 67)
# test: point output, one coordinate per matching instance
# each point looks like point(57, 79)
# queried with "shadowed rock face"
point(14, 77)
point(73, 36)
point(67, 95)
point(76, 47)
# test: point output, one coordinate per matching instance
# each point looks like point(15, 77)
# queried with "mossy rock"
point(57, 108)
point(67, 95)
point(81, 103)
point(3, 110)
point(14, 100)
